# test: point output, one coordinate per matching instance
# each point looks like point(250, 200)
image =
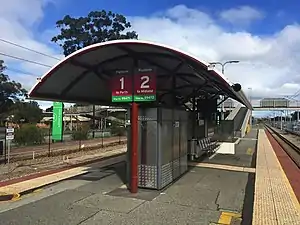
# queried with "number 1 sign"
point(121, 86)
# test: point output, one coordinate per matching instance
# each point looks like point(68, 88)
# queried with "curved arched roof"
point(84, 75)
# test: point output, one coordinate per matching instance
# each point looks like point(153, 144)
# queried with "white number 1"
point(145, 82)
point(122, 83)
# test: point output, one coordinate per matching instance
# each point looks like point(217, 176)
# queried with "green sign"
point(122, 98)
point(57, 123)
point(144, 98)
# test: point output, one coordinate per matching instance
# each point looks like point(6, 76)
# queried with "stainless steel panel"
point(162, 146)
point(176, 141)
point(128, 154)
point(176, 168)
point(183, 138)
point(166, 142)
point(166, 174)
point(146, 114)
point(147, 176)
point(147, 148)
point(176, 114)
point(183, 164)
point(166, 114)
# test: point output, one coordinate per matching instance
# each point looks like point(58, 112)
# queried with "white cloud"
point(269, 64)
point(18, 21)
point(241, 15)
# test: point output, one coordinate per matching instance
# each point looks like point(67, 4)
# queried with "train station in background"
point(194, 154)
point(166, 91)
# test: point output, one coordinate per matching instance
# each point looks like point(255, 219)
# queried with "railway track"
point(43, 151)
point(290, 148)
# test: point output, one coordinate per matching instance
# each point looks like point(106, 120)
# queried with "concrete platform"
point(275, 201)
point(244, 153)
point(201, 196)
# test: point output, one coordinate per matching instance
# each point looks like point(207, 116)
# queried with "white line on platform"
point(223, 167)
point(212, 156)
point(249, 139)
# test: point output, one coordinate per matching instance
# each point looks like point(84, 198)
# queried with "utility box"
point(162, 146)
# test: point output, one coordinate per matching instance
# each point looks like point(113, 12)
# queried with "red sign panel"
point(145, 83)
point(121, 85)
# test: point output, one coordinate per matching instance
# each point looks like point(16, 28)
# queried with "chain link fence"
point(37, 143)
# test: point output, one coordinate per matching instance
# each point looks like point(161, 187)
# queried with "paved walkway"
point(207, 194)
point(275, 201)
point(37, 182)
point(202, 196)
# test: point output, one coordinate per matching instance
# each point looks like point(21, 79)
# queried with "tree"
point(28, 112)
point(81, 104)
point(10, 92)
point(295, 115)
point(97, 26)
point(50, 109)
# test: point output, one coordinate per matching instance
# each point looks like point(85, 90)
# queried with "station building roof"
point(84, 76)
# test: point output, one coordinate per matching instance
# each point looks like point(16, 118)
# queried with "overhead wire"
point(25, 60)
point(20, 71)
point(29, 49)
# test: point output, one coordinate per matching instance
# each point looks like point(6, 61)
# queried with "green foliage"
point(96, 27)
point(29, 134)
point(81, 134)
point(117, 130)
point(81, 104)
point(30, 112)
point(50, 109)
point(295, 115)
point(10, 92)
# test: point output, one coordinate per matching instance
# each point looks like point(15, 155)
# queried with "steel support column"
point(194, 117)
point(134, 146)
point(94, 122)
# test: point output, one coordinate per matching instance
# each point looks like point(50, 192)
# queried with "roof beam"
point(89, 68)
point(141, 56)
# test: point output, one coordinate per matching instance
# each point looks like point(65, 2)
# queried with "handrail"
point(233, 113)
point(245, 123)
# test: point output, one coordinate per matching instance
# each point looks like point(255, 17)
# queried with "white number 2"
point(145, 82)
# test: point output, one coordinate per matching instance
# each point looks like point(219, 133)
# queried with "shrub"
point(81, 134)
point(29, 134)
point(117, 130)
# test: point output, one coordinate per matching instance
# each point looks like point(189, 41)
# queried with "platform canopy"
point(85, 75)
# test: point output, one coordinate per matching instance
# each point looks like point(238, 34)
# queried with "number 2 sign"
point(145, 86)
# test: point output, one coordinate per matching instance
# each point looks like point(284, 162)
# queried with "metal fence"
point(12, 151)
point(286, 125)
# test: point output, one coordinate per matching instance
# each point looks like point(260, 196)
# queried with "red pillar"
point(134, 148)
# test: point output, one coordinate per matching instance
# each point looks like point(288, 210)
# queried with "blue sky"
point(279, 13)
point(263, 35)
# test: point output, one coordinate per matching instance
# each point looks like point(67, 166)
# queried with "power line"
point(25, 60)
point(20, 71)
point(296, 94)
point(29, 49)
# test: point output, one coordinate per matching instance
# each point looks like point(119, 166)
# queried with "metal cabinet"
point(162, 147)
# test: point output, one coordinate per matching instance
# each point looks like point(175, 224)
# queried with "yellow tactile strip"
point(223, 167)
point(226, 218)
point(31, 184)
point(274, 199)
